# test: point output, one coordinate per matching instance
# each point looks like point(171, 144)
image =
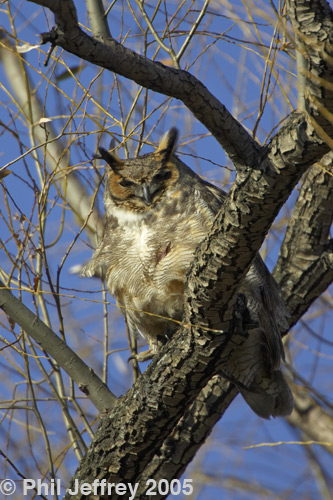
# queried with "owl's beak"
point(146, 194)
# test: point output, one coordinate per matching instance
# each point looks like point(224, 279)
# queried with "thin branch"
point(57, 162)
point(301, 79)
point(193, 30)
point(311, 418)
point(168, 50)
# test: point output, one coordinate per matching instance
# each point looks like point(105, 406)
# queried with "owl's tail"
point(270, 397)
point(263, 387)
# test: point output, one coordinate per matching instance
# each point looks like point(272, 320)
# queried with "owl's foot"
point(155, 345)
point(143, 356)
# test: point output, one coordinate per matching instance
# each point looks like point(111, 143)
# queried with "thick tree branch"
point(305, 266)
point(190, 433)
point(252, 205)
point(180, 84)
point(84, 376)
point(312, 22)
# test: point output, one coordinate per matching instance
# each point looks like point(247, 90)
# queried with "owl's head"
point(138, 184)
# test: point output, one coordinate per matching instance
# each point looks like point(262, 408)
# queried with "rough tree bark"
point(156, 428)
point(304, 269)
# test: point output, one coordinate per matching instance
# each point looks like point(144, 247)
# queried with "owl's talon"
point(142, 356)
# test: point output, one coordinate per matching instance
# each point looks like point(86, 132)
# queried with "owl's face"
point(138, 184)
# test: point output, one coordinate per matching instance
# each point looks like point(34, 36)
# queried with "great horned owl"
point(157, 210)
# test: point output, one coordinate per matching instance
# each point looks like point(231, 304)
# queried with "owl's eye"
point(162, 176)
point(126, 183)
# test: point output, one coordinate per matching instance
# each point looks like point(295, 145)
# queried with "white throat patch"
point(125, 216)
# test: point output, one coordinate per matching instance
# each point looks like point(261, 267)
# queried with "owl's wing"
point(213, 196)
point(98, 264)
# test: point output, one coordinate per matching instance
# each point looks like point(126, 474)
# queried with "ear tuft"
point(168, 143)
point(112, 159)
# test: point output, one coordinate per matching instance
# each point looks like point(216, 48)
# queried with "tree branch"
point(97, 19)
point(180, 84)
point(87, 380)
point(305, 266)
point(312, 22)
point(190, 433)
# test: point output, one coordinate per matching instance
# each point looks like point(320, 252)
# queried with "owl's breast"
point(151, 255)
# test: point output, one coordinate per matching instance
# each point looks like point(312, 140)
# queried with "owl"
point(157, 210)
